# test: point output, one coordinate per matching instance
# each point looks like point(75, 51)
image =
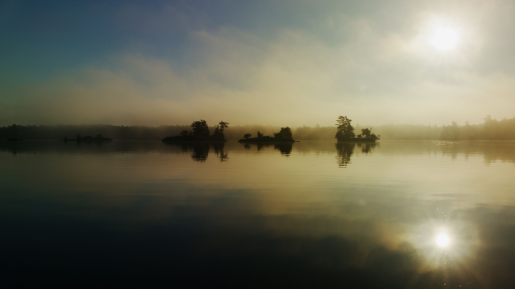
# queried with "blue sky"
point(248, 62)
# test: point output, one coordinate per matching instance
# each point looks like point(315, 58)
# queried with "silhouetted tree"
point(247, 136)
point(259, 135)
point(223, 125)
point(184, 133)
point(345, 129)
point(218, 135)
point(365, 132)
point(200, 130)
point(284, 134)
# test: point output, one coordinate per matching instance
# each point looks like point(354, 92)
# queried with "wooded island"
point(200, 132)
point(285, 135)
point(345, 132)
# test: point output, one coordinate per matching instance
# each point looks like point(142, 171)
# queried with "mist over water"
point(155, 144)
point(308, 214)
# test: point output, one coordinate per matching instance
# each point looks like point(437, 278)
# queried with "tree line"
point(491, 129)
point(200, 132)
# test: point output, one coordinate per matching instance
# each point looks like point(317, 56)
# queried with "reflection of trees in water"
point(344, 152)
point(185, 147)
point(219, 150)
point(16, 147)
point(367, 147)
point(284, 148)
point(200, 150)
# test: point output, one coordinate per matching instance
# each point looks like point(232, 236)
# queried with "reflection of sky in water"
point(146, 211)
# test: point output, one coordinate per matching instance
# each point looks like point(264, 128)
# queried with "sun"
point(444, 38)
point(442, 240)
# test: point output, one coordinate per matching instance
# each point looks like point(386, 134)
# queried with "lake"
point(397, 214)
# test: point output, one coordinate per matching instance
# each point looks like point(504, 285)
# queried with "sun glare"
point(442, 240)
point(444, 38)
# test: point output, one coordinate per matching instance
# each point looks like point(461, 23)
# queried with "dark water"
point(311, 215)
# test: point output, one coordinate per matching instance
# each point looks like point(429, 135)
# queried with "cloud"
point(290, 77)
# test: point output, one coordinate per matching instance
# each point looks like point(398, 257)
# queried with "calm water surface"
point(315, 214)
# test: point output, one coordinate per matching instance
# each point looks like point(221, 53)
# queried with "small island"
point(345, 132)
point(285, 135)
point(200, 132)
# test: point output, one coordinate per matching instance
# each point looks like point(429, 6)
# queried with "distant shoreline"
point(501, 130)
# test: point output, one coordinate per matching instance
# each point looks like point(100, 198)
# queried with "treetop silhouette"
point(284, 135)
point(200, 132)
point(345, 132)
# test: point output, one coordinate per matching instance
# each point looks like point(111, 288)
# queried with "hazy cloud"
point(368, 62)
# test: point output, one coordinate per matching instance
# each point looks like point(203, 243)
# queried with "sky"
point(288, 63)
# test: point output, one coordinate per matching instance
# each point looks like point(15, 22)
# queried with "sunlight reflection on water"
point(399, 213)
